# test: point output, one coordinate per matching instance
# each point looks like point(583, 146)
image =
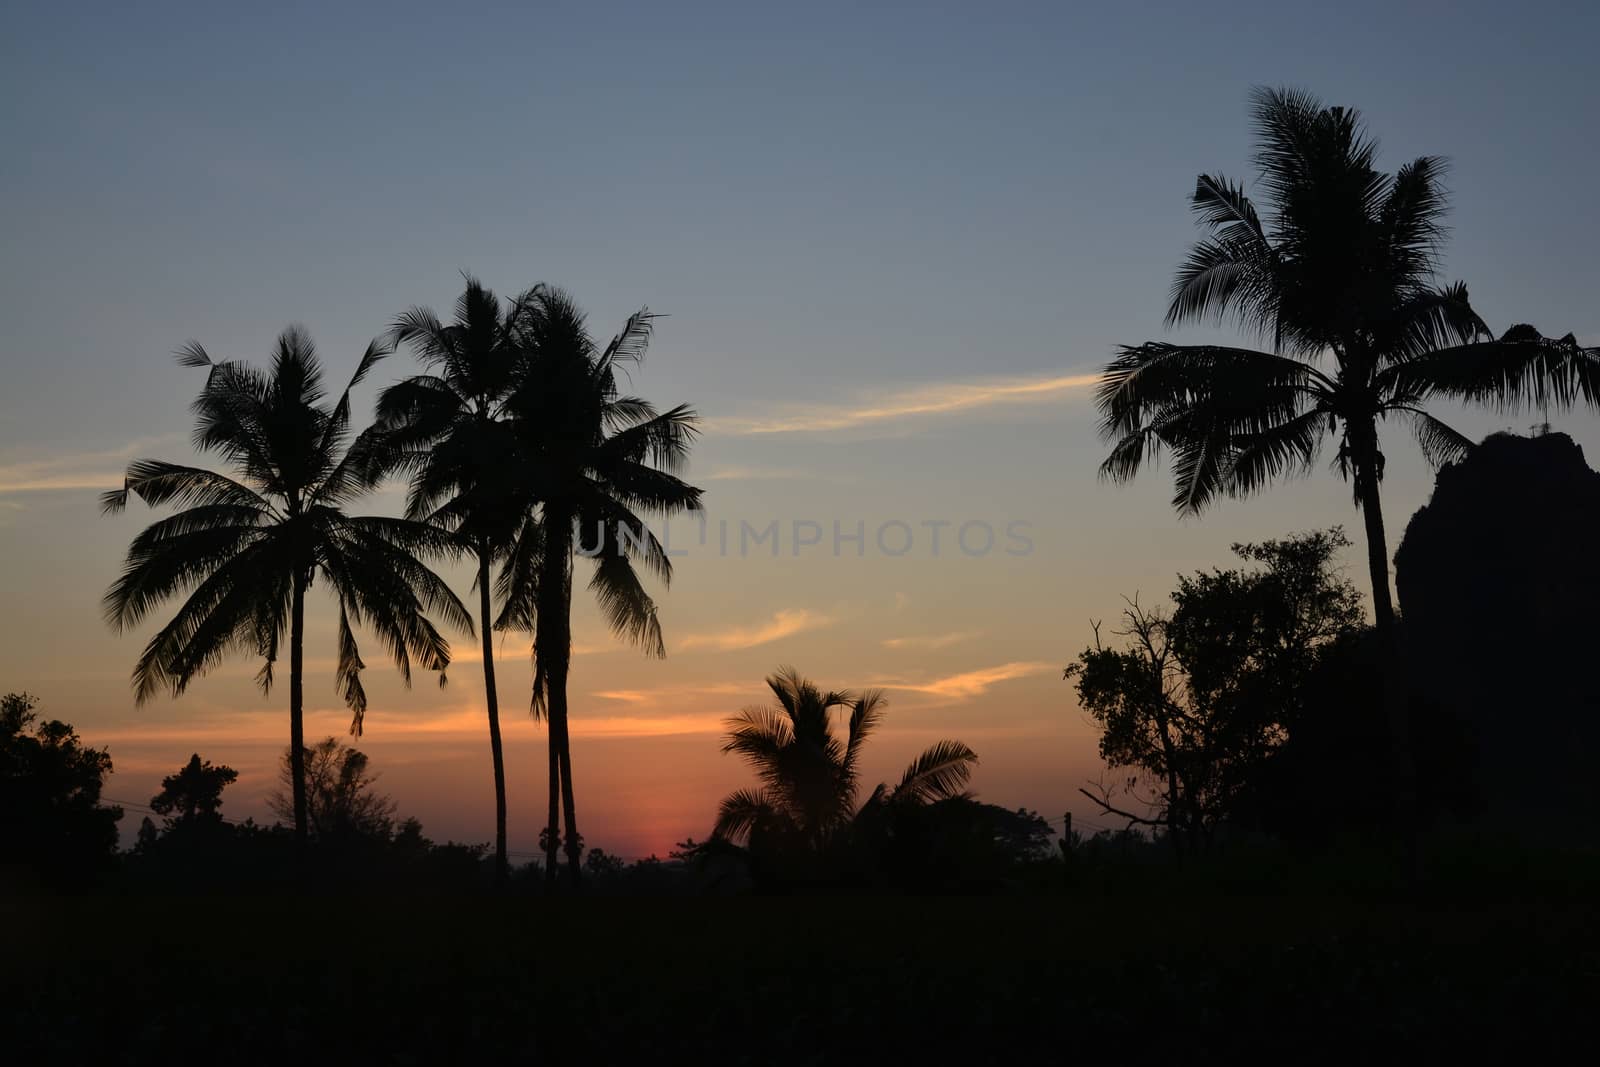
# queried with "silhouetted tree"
point(597, 862)
point(595, 460)
point(194, 794)
point(954, 843)
point(52, 823)
point(807, 799)
point(451, 431)
point(1340, 280)
point(1195, 703)
point(341, 796)
point(247, 546)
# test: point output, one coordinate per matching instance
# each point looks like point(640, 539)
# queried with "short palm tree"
point(247, 545)
point(450, 430)
point(1339, 280)
point(592, 459)
point(810, 777)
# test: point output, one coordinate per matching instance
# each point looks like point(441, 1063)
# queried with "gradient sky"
point(894, 244)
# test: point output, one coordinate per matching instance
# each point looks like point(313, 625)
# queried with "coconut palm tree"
point(592, 459)
point(449, 428)
point(248, 544)
point(810, 777)
point(1339, 280)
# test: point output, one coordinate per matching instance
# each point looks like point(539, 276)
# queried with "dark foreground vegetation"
point(1212, 967)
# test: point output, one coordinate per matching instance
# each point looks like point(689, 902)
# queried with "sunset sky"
point(895, 247)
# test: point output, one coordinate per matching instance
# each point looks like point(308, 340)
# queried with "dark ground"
point(1081, 977)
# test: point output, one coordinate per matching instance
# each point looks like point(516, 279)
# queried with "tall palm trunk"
point(297, 727)
point(1396, 711)
point(553, 638)
point(551, 838)
point(492, 699)
point(558, 707)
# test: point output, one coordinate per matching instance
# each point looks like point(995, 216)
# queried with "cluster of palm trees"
point(515, 434)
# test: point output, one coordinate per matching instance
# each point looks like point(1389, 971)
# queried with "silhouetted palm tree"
point(1340, 280)
point(450, 429)
point(594, 460)
point(248, 545)
point(809, 777)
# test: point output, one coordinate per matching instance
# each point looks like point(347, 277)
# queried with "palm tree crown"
point(248, 544)
point(810, 777)
point(1340, 279)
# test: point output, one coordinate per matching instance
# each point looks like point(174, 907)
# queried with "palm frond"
point(349, 673)
point(220, 613)
point(1439, 442)
point(866, 712)
point(1284, 450)
point(742, 813)
point(193, 354)
point(1428, 320)
point(1522, 369)
point(627, 608)
point(661, 439)
point(170, 557)
point(630, 343)
point(157, 482)
point(760, 735)
point(517, 585)
point(941, 772)
point(1412, 218)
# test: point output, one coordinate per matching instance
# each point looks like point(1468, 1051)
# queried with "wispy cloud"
point(932, 641)
point(266, 728)
point(785, 623)
point(78, 470)
point(935, 398)
point(757, 474)
point(971, 683)
point(461, 652)
point(675, 694)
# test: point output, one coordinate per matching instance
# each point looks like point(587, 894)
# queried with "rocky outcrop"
point(1499, 584)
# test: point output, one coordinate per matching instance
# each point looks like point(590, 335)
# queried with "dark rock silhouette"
point(1498, 579)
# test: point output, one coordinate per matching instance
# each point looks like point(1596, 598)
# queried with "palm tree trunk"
point(1396, 711)
point(553, 640)
point(492, 699)
point(297, 729)
point(1377, 555)
point(572, 842)
point(551, 838)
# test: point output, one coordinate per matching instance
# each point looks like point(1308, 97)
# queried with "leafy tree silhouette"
point(194, 794)
point(52, 824)
point(341, 794)
point(1194, 704)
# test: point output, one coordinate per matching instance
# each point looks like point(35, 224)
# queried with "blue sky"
point(851, 216)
